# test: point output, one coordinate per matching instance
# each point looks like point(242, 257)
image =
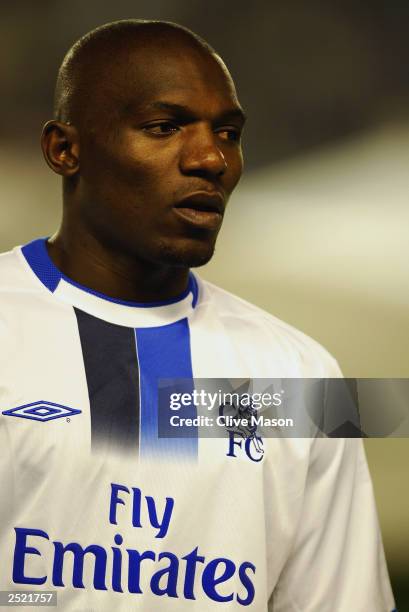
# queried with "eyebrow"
point(179, 109)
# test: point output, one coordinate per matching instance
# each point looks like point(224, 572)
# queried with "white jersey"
point(96, 507)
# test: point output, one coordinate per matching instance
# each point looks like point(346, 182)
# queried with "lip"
point(203, 209)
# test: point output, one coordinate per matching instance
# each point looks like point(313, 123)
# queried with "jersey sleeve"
point(337, 563)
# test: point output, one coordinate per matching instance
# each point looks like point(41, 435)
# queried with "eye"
point(230, 133)
point(161, 128)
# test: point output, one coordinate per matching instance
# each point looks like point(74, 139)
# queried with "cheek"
point(142, 177)
point(120, 179)
point(235, 163)
point(129, 181)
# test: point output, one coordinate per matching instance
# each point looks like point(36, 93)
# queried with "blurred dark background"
point(326, 88)
point(308, 73)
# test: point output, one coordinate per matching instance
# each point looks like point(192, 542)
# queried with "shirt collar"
point(121, 312)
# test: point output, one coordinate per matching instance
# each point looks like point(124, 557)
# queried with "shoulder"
point(263, 329)
point(16, 275)
point(19, 289)
point(10, 268)
point(15, 280)
point(14, 287)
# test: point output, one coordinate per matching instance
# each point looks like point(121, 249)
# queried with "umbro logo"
point(41, 411)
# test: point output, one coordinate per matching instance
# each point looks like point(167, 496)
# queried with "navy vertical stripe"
point(164, 353)
point(111, 368)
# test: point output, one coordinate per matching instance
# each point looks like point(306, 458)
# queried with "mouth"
point(202, 209)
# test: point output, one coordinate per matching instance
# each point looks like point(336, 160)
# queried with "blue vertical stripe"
point(164, 353)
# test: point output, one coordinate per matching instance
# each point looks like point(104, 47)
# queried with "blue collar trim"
point(37, 257)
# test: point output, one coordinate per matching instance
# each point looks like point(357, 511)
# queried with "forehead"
point(180, 74)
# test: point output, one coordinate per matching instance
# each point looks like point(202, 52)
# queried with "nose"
point(201, 154)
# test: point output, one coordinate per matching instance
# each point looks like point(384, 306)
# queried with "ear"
point(61, 147)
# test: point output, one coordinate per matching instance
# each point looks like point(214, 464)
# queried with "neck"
point(116, 274)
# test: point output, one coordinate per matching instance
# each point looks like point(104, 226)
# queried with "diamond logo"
point(41, 411)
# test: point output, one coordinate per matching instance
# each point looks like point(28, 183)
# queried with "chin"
point(191, 254)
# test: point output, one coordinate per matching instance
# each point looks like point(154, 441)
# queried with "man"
point(96, 504)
